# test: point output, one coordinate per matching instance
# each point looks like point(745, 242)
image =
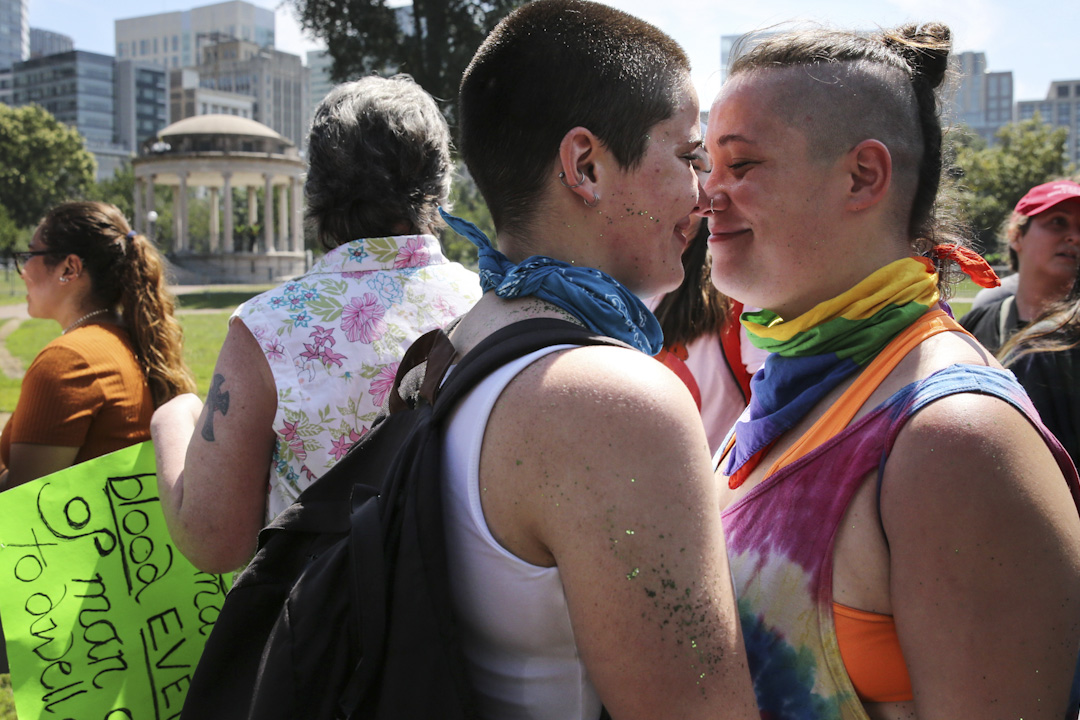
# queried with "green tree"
point(433, 41)
point(466, 202)
point(42, 162)
point(993, 179)
point(119, 190)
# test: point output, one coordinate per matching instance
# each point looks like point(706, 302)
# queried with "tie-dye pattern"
point(780, 543)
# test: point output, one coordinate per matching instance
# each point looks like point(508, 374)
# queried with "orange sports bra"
point(868, 642)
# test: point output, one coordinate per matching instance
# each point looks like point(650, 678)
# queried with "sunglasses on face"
point(23, 257)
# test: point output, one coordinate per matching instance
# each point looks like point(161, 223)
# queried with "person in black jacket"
point(1044, 249)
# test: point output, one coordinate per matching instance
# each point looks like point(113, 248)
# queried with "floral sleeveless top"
point(780, 544)
point(334, 337)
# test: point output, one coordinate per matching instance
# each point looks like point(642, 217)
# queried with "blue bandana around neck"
point(597, 299)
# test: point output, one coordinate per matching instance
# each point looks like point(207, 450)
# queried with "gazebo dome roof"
point(220, 125)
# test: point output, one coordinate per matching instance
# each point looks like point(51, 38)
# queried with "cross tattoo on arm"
point(216, 400)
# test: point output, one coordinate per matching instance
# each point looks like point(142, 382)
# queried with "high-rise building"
point(188, 99)
point(140, 102)
point(176, 39)
point(47, 42)
point(977, 98)
point(1061, 108)
point(14, 32)
point(319, 62)
point(277, 81)
point(7, 86)
point(77, 87)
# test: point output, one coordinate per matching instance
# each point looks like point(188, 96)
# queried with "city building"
point(7, 86)
point(1061, 108)
point(47, 42)
point(977, 98)
point(176, 39)
point(14, 32)
point(140, 102)
point(77, 87)
point(276, 81)
point(188, 99)
point(319, 62)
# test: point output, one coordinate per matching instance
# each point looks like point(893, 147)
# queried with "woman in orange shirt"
point(93, 389)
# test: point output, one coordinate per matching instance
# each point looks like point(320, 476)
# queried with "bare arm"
point(611, 482)
point(985, 563)
point(30, 461)
point(215, 500)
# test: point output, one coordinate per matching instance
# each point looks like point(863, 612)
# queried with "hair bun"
point(924, 47)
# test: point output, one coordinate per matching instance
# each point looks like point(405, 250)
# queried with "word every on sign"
point(104, 618)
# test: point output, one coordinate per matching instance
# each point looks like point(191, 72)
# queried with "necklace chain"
point(83, 319)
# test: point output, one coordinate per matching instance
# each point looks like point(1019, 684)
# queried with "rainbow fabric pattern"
point(813, 353)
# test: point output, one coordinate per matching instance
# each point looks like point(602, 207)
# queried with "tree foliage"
point(119, 190)
point(993, 179)
point(433, 40)
point(42, 163)
point(466, 202)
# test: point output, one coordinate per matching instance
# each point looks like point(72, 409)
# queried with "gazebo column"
point(139, 219)
point(253, 208)
point(282, 242)
point(182, 230)
point(296, 239)
point(268, 213)
point(229, 245)
point(150, 200)
point(215, 235)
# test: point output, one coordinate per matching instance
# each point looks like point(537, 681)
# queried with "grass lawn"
point(204, 333)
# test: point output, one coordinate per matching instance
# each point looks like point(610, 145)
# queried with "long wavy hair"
point(1056, 328)
point(126, 272)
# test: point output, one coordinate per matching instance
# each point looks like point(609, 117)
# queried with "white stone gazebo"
point(220, 153)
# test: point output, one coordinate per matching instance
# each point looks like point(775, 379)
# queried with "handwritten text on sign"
point(103, 617)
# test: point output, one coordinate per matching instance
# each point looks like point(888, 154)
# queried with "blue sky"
point(1038, 44)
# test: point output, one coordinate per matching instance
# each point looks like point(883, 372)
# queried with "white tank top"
point(514, 624)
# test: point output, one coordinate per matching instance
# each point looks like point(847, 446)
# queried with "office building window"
point(1063, 91)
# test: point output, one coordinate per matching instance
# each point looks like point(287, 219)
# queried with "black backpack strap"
point(508, 344)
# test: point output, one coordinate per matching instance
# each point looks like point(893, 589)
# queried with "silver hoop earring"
point(594, 203)
point(562, 179)
point(63, 279)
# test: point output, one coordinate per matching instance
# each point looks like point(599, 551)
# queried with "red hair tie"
point(971, 262)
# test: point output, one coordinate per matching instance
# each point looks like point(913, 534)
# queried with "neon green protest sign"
point(104, 618)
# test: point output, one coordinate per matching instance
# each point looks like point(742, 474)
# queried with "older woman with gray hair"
point(306, 366)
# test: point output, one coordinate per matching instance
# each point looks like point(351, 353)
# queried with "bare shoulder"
point(967, 436)
point(978, 515)
point(574, 433)
point(620, 384)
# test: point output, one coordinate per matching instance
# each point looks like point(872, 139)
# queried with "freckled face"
point(649, 206)
point(772, 203)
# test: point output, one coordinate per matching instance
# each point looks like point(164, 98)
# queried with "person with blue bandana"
point(585, 553)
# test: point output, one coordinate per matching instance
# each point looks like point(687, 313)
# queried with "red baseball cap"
point(1043, 197)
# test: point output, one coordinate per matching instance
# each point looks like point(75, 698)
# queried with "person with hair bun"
point(902, 529)
point(92, 390)
point(305, 367)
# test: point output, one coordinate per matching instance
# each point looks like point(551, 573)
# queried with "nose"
point(713, 200)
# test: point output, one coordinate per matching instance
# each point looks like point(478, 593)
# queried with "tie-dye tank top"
point(783, 570)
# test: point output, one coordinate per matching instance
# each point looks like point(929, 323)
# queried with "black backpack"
point(344, 611)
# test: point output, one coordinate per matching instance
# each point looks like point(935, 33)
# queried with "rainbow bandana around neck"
point(815, 352)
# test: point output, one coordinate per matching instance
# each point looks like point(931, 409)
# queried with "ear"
point(72, 267)
point(582, 162)
point(869, 166)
